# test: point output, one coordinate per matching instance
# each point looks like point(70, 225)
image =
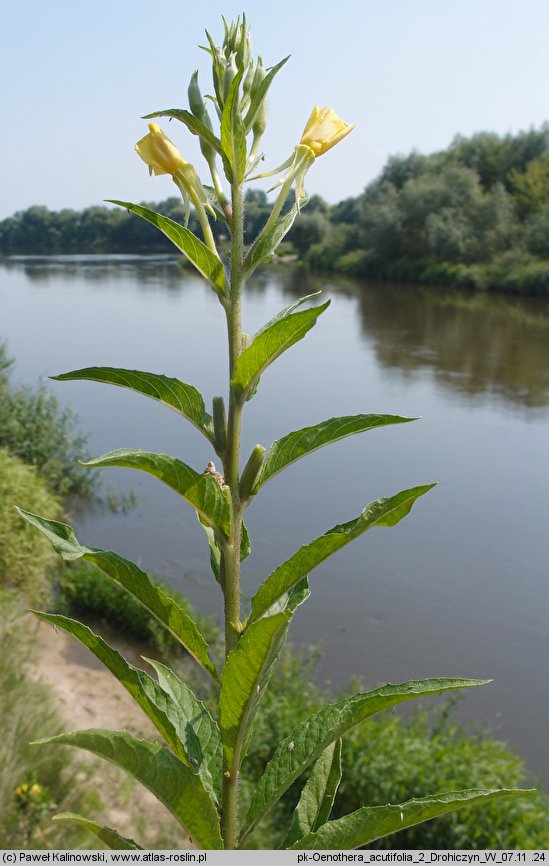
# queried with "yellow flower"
point(160, 154)
point(36, 789)
point(323, 130)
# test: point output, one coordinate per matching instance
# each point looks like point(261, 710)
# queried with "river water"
point(458, 588)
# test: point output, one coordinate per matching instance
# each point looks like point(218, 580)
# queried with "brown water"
point(460, 587)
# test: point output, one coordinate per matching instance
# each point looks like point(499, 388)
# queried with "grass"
point(27, 713)
point(25, 556)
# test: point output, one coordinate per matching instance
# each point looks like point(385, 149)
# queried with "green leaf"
point(174, 717)
point(110, 837)
point(215, 550)
point(286, 311)
point(382, 512)
point(265, 245)
point(293, 598)
point(246, 673)
point(309, 739)
point(373, 822)
point(317, 796)
point(192, 123)
point(233, 133)
point(260, 94)
point(245, 544)
point(146, 691)
point(152, 764)
point(194, 249)
point(201, 491)
point(135, 581)
point(271, 343)
point(295, 445)
point(185, 399)
point(201, 735)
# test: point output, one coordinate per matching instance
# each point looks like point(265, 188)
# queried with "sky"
point(77, 77)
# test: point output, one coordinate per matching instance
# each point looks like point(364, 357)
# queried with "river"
point(458, 588)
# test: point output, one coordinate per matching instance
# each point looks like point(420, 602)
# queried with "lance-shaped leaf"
point(233, 133)
point(317, 796)
point(192, 123)
point(201, 736)
point(110, 837)
point(373, 822)
point(146, 691)
point(206, 262)
point(245, 675)
point(265, 245)
point(286, 311)
point(309, 739)
point(159, 770)
point(185, 399)
point(260, 94)
point(215, 550)
point(135, 581)
point(176, 719)
point(382, 512)
point(268, 345)
point(200, 490)
point(292, 599)
point(295, 445)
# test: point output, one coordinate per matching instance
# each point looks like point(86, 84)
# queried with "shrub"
point(37, 429)
point(86, 592)
point(25, 558)
point(390, 760)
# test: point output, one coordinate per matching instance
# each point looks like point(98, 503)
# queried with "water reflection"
point(476, 345)
point(149, 273)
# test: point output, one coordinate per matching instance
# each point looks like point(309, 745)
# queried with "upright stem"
point(231, 551)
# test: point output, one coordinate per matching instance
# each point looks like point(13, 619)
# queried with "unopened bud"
point(250, 475)
point(220, 424)
point(198, 108)
point(231, 70)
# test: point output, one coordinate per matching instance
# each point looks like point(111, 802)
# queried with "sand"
point(90, 697)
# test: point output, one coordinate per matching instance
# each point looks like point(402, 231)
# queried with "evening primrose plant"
point(194, 768)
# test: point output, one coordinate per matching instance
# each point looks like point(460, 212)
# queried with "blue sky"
point(76, 77)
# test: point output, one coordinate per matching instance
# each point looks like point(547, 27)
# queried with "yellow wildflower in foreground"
point(36, 789)
point(323, 130)
point(160, 154)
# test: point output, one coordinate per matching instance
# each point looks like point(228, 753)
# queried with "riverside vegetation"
point(196, 774)
point(474, 215)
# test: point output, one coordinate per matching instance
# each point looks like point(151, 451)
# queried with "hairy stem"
point(231, 552)
point(205, 223)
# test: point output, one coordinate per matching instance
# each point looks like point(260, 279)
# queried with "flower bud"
point(220, 424)
point(323, 130)
point(160, 154)
point(198, 108)
point(250, 474)
point(196, 103)
point(231, 70)
point(260, 122)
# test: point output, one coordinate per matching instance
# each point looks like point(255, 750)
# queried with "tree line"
point(474, 214)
